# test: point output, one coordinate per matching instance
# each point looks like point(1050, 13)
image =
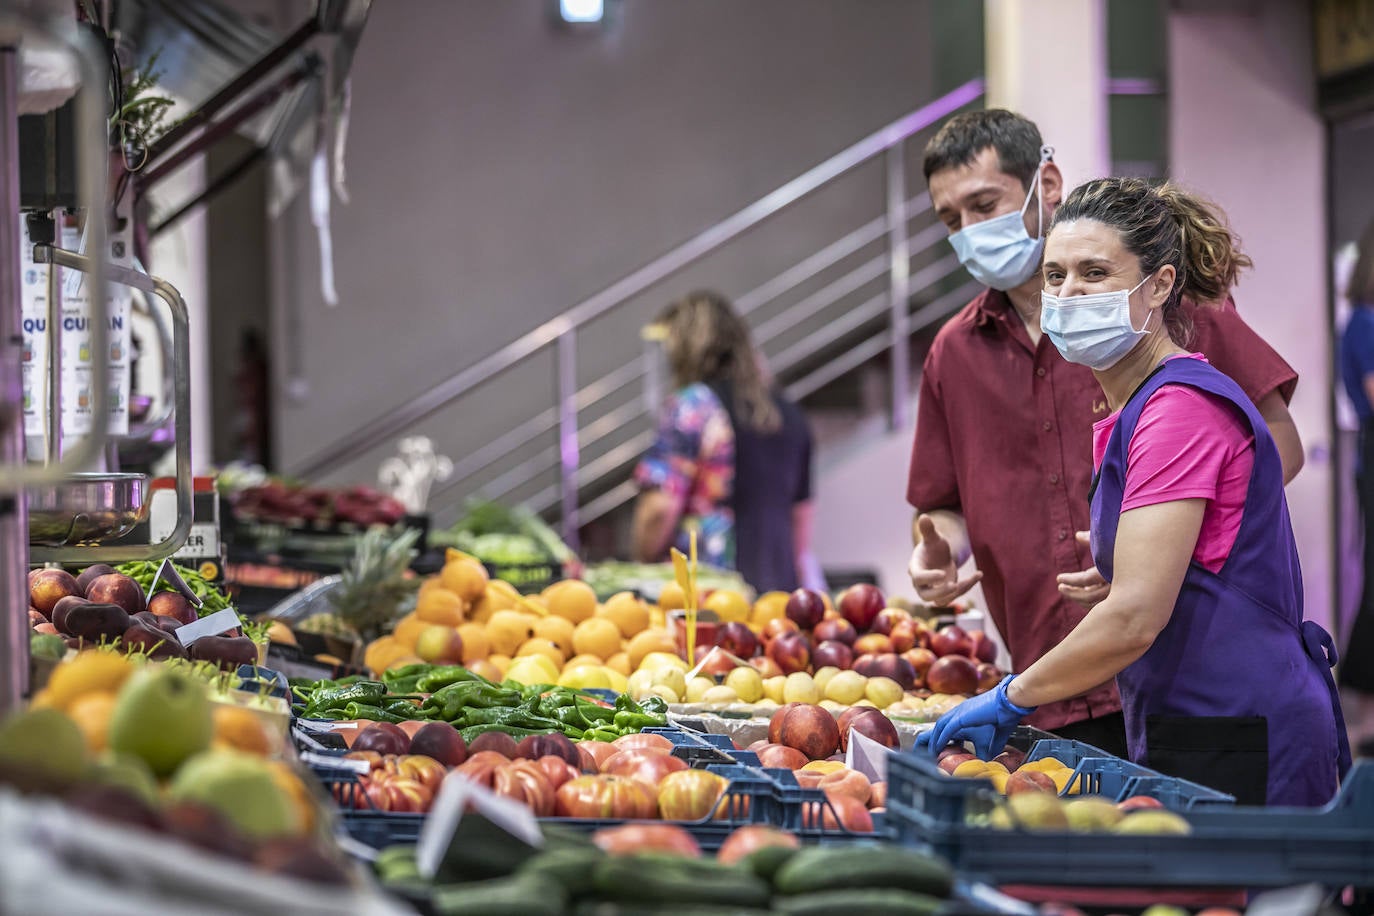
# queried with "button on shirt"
point(1004, 436)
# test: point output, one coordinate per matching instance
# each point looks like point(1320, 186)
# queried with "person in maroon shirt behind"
point(1002, 458)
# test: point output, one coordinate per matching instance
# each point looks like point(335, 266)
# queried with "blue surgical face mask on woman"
point(1093, 330)
point(998, 251)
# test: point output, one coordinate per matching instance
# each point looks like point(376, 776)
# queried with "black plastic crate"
point(1229, 846)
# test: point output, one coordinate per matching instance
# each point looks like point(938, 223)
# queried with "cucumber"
point(879, 902)
point(532, 895)
point(395, 862)
point(572, 867)
point(620, 908)
point(660, 879)
point(827, 868)
point(765, 862)
point(481, 850)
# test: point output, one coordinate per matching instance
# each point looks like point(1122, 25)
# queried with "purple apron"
point(1236, 691)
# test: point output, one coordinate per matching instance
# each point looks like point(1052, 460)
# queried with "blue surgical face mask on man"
point(1094, 330)
point(998, 251)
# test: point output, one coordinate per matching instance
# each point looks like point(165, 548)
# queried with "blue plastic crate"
point(696, 748)
point(1229, 846)
point(273, 682)
point(802, 811)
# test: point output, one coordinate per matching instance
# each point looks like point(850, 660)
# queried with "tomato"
point(602, 797)
point(690, 795)
point(556, 770)
point(373, 758)
point(425, 770)
point(644, 765)
point(525, 782)
point(595, 753)
point(643, 742)
point(747, 839)
point(635, 838)
point(845, 781)
point(481, 767)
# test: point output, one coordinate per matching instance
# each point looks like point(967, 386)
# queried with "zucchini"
point(829, 868)
point(660, 879)
point(532, 895)
point(571, 867)
point(877, 902)
point(766, 861)
point(620, 908)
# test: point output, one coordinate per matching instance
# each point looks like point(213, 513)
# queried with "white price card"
point(867, 756)
point(213, 625)
point(455, 795)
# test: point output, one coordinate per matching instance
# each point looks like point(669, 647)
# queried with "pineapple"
point(375, 585)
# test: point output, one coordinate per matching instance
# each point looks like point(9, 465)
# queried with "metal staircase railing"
point(840, 335)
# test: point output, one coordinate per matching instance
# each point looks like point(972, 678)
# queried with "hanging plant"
point(141, 116)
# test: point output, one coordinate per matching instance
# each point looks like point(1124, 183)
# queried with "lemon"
point(720, 694)
point(746, 682)
point(585, 677)
point(670, 677)
point(666, 693)
point(883, 691)
point(823, 676)
point(846, 687)
point(697, 687)
point(532, 669)
point(800, 688)
point(656, 660)
point(619, 682)
point(637, 685)
point(773, 687)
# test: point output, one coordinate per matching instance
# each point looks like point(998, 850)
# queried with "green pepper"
point(338, 697)
point(406, 709)
point(406, 684)
point(470, 734)
point(450, 701)
point(438, 678)
point(655, 706)
point(593, 714)
point(604, 733)
point(637, 721)
point(367, 711)
point(408, 671)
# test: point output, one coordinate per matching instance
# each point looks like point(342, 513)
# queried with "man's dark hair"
point(964, 136)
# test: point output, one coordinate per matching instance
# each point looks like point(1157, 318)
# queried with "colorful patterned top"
point(692, 460)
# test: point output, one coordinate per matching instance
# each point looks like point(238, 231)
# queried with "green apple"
point(44, 740)
point(163, 717)
point(241, 787)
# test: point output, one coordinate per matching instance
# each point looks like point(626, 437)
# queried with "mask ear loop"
point(1046, 154)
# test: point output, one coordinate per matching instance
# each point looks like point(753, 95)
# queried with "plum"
point(62, 608)
point(441, 741)
point(226, 651)
point(116, 588)
point(384, 738)
point(91, 573)
point(92, 621)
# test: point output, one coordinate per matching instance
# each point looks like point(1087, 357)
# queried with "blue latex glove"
point(987, 720)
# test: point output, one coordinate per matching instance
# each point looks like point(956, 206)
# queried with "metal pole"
point(53, 451)
point(14, 523)
point(899, 278)
point(568, 449)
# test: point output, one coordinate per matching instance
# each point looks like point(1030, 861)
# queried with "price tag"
point(336, 763)
point(866, 756)
point(167, 572)
point(455, 795)
point(217, 623)
point(313, 725)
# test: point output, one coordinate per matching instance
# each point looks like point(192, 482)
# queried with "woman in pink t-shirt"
point(1221, 680)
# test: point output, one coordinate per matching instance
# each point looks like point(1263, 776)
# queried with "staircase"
point(833, 314)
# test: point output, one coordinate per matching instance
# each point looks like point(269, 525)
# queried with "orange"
point(769, 606)
point(439, 605)
point(401, 661)
point(499, 595)
point(672, 597)
point(537, 646)
point(475, 642)
point(507, 630)
point(380, 652)
point(440, 645)
point(597, 636)
point(91, 713)
point(557, 630)
point(465, 578)
point(241, 729)
point(500, 661)
point(627, 612)
point(486, 669)
point(92, 671)
point(730, 606)
point(409, 628)
point(295, 790)
point(571, 598)
point(620, 662)
point(649, 641)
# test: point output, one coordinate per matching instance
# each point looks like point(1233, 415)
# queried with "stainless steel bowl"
point(86, 509)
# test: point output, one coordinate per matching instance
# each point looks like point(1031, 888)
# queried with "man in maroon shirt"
point(1002, 459)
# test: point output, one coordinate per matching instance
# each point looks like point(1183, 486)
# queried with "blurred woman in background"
point(732, 458)
point(1357, 373)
